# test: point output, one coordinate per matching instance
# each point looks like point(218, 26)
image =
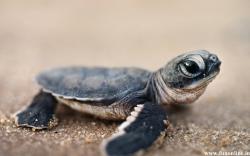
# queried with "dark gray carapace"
point(131, 94)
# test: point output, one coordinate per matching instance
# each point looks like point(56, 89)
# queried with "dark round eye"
point(190, 68)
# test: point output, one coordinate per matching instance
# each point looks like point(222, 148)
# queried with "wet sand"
point(40, 35)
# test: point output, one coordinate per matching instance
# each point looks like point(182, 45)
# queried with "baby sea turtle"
point(131, 94)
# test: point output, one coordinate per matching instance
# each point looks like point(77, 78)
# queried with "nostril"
point(214, 58)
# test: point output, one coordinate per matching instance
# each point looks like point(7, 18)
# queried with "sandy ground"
point(37, 35)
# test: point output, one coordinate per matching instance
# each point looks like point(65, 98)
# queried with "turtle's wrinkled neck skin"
point(184, 79)
point(161, 93)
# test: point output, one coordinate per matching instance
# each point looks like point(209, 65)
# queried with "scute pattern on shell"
point(83, 83)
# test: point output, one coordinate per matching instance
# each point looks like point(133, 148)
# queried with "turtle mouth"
point(211, 77)
point(202, 83)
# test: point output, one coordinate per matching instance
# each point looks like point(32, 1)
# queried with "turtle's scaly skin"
point(123, 93)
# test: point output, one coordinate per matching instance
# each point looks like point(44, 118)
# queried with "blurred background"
point(41, 34)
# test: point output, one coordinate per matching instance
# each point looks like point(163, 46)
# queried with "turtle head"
point(186, 77)
point(191, 70)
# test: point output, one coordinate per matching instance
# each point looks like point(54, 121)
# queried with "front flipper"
point(39, 114)
point(141, 129)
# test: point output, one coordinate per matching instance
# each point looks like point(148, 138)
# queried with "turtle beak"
point(213, 64)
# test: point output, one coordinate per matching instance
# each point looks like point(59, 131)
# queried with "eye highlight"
point(192, 67)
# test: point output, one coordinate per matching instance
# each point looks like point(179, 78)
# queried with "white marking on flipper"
point(138, 109)
point(140, 105)
point(135, 113)
point(130, 119)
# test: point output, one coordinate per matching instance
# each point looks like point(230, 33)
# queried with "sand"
point(37, 35)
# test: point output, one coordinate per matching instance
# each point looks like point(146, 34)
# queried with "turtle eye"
point(190, 68)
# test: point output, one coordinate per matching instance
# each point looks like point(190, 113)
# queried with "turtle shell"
point(92, 84)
